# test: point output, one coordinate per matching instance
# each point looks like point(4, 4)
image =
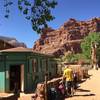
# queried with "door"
point(15, 77)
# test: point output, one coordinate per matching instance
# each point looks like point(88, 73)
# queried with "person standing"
point(68, 77)
point(75, 80)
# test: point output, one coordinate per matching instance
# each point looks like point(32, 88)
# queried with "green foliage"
point(37, 11)
point(86, 50)
point(86, 44)
point(74, 57)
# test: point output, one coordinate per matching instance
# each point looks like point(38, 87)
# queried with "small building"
point(24, 68)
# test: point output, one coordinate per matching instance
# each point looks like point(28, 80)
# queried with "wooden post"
point(46, 78)
point(22, 78)
point(45, 86)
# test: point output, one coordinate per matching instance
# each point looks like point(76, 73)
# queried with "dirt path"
point(90, 89)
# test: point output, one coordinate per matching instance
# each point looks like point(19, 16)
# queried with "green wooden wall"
point(2, 77)
point(30, 78)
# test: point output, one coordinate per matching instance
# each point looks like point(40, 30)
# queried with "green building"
point(22, 68)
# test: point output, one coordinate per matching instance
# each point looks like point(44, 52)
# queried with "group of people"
point(69, 80)
point(66, 87)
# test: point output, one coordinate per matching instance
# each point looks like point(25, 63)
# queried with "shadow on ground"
point(82, 90)
point(89, 94)
point(88, 77)
point(84, 95)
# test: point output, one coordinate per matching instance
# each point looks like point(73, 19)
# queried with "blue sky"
point(18, 27)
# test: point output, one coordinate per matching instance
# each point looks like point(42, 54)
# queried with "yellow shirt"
point(68, 74)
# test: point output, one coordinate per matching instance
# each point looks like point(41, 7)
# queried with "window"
point(35, 65)
point(43, 65)
point(2, 57)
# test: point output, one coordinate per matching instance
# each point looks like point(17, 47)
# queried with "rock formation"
point(13, 41)
point(67, 37)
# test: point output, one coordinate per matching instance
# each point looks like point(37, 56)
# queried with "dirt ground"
point(90, 89)
point(25, 96)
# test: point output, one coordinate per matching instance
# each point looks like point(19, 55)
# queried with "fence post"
point(46, 86)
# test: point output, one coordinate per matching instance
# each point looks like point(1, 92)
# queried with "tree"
point(37, 11)
point(92, 38)
point(86, 49)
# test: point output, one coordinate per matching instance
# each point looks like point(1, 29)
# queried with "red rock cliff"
point(67, 37)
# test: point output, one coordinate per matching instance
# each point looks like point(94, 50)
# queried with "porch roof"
point(22, 49)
